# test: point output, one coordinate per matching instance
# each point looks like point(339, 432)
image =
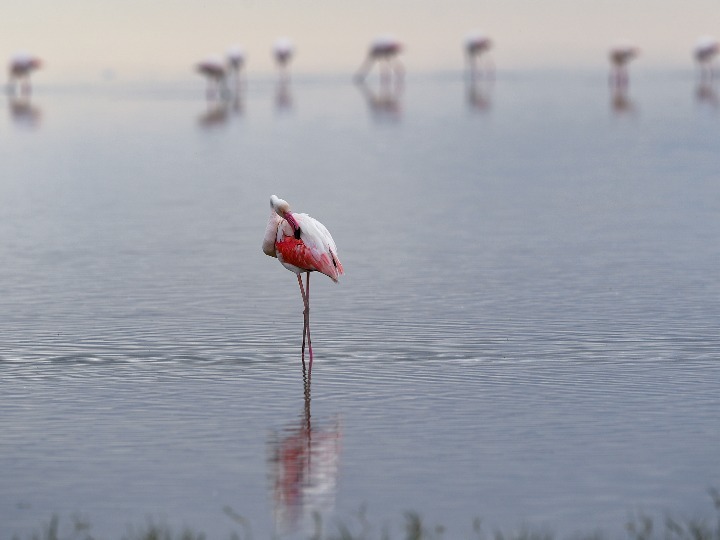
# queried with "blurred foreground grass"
point(639, 527)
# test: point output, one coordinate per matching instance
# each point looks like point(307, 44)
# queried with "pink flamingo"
point(383, 49)
point(476, 45)
point(620, 56)
point(19, 70)
point(301, 244)
point(214, 70)
point(706, 49)
point(283, 51)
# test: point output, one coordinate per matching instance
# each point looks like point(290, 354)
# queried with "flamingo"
point(283, 51)
point(301, 244)
point(706, 49)
point(235, 60)
point(476, 45)
point(620, 56)
point(213, 68)
point(386, 49)
point(21, 66)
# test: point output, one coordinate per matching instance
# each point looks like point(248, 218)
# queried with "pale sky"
point(138, 39)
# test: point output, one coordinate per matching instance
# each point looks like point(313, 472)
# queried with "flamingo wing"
point(315, 250)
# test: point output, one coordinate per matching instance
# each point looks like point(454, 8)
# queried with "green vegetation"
point(640, 527)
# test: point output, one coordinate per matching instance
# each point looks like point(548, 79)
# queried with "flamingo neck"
point(268, 245)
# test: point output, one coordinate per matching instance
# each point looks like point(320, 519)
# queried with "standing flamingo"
point(213, 68)
point(283, 51)
point(19, 69)
point(620, 56)
point(706, 49)
point(301, 244)
point(235, 56)
point(476, 45)
point(383, 49)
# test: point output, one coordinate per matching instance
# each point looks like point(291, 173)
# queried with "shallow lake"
point(527, 331)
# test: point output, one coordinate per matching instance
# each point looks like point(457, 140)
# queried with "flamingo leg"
point(305, 318)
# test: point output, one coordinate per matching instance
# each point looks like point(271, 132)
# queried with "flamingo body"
point(477, 43)
point(309, 247)
point(283, 50)
point(706, 48)
point(314, 251)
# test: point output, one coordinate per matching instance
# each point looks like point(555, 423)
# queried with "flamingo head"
point(282, 208)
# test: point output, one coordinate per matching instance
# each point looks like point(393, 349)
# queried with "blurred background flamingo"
point(283, 51)
point(620, 56)
point(476, 46)
point(20, 68)
point(214, 70)
point(235, 56)
point(705, 52)
point(384, 50)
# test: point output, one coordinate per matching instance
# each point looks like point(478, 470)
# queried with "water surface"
point(527, 331)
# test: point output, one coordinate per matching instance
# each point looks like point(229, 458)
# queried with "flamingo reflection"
point(478, 94)
point(304, 461)
point(23, 112)
point(283, 96)
point(383, 51)
point(705, 93)
point(20, 68)
point(385, 101)
point(620, 56)
point(217, 114)
point(620, 101)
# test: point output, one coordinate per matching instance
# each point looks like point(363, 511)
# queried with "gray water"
point(527, 331)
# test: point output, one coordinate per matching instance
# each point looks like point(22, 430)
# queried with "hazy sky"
point(82, 39)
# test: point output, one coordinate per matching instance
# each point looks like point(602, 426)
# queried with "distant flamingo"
point(383, 49)
point(705, 51)
point(283, 51)
point(236, 61)
point(476, 45)
point(19, 69)
point(213, 68)
point(620, 56)
point(301, 244)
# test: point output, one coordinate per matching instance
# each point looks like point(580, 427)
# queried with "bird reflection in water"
point(23, 112)
point(283, 95)
point(384, 102)
point(478, 93)
point(620, 101)
point(303, 461)
point(705, 93)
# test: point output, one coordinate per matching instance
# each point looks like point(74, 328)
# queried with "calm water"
point(527, 331)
